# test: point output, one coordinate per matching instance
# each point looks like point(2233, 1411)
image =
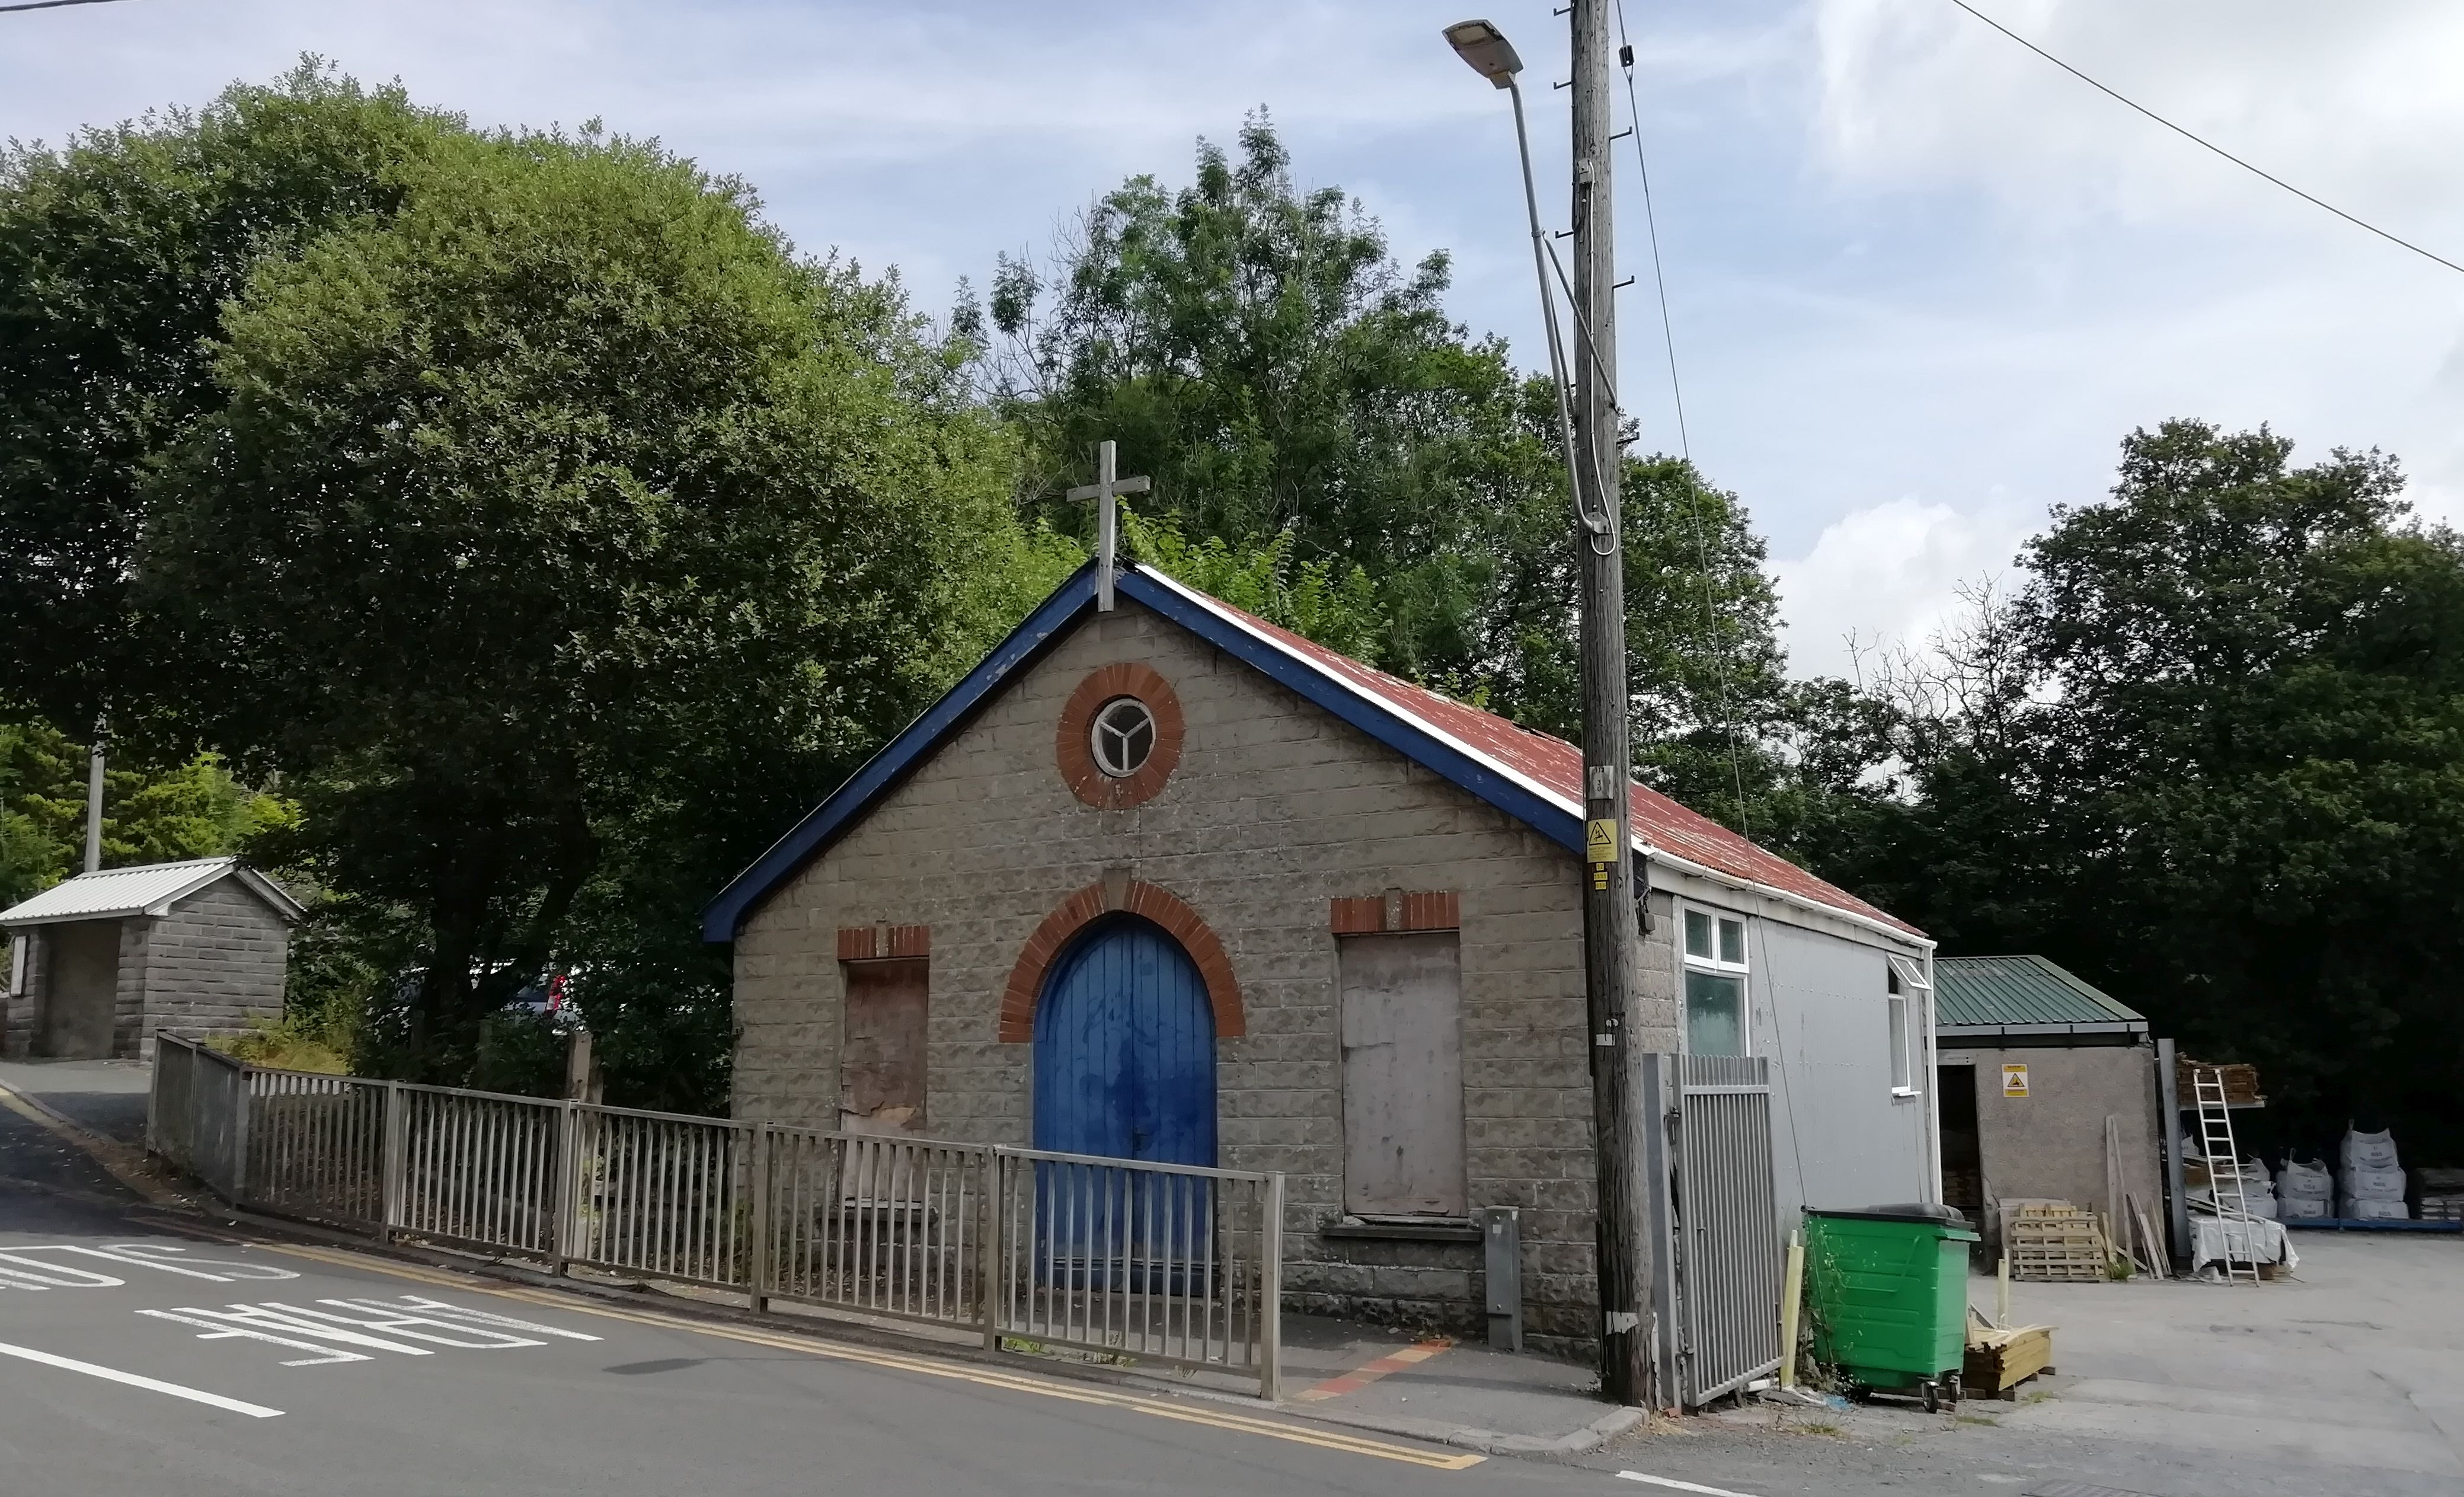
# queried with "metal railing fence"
point(1161, 1263)
point(317, 1145)
point(878, 1225)
point(1158, 1263)
point(476, 1169)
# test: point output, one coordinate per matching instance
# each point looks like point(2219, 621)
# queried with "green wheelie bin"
point(1888, 1286)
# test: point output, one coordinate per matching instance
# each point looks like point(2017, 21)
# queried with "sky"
point(1921, 283)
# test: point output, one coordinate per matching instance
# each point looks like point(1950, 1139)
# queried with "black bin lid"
point(1911, 1211)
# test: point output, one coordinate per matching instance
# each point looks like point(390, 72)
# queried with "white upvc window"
point(1715, 975)
point(1909, 997)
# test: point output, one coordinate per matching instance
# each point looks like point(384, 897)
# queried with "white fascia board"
point(1863, 923)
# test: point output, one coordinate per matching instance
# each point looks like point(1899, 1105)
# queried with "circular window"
point(1123, 737)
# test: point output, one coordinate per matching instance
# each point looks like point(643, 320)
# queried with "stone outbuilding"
point(1166, 882)
point(2035, 1065)
point(100, 961)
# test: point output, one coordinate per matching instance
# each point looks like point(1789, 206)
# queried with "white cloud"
point(2358, 103)
point(1890, 575)
point(1912, 264)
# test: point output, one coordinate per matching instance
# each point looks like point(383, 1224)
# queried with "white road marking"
point(1682, 1487)
point(459, 1312)
point(149, 1255)
point(39, 1273)
point(283, 1319)
point(219, 1331)
point(53, 1276)
point(286, 1325)
point(405, 1323)
point(133, 1381)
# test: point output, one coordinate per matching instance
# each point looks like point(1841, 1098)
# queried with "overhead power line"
point(48, 5)
point(2359, 223)
point(1712, 634)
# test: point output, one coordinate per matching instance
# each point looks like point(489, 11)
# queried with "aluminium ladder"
point(2232, 1205)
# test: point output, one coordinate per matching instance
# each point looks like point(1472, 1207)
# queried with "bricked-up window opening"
point(882, 1054)
point(1715, 983)
point(1401, 1024)
point(1124, 737)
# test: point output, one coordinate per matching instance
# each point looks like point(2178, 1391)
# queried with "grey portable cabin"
point(99, 962)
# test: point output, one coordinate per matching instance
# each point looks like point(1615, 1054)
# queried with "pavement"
point(2346, 1379)
point(1453, 1392)
point(107, 1097)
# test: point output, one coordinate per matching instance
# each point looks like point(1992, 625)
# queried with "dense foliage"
point(551, 534)
point(193, 809)
point(551, 527)
point(1308, 413)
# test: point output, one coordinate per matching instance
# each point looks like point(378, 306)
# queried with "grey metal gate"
point(1725, 1222)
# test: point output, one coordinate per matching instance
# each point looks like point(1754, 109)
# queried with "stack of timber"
point(2442, 1194)
point(2057, 1243)
point(1999, 1358)
point(2240, 1082)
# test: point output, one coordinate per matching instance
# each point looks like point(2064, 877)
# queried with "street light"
point(1487, 51)
point(1630, 1229)
point(1485, 48)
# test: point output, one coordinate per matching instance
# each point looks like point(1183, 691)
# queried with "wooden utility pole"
point(1611, 961)
point(94, 798)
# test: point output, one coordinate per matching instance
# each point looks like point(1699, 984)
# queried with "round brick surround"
point(1072, 748)
point(1025, 986)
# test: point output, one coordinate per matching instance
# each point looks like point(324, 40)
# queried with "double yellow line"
point(958, 1372)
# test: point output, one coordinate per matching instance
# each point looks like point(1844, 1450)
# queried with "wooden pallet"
point(2058, 1244)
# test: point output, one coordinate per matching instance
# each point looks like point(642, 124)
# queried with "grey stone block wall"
point(212, 966)
point(23, 1009)
point(2050, 1144)
point(1276, 807)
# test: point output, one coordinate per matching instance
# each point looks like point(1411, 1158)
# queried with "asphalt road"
point(139, 1356)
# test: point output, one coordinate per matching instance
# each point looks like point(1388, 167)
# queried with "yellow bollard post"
point(1792, 1296)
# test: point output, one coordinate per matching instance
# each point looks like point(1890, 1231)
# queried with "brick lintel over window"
point(1396, 909)
point(881, 942)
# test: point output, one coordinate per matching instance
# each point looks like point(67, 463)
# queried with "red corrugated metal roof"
point(1556, 767)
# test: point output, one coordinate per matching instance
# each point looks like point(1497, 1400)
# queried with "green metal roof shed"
point(2026, 1001)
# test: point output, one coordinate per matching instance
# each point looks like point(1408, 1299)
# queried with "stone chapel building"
point(1168, 882)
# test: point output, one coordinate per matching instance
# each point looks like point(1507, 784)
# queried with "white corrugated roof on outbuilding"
point(148, 888)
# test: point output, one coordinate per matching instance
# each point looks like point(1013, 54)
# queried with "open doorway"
point(1963, 1159)
point(81, 993)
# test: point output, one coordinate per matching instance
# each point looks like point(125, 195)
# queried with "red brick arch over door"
point(1091, 904)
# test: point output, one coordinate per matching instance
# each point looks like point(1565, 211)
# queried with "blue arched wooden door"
point(1125, 1049)
point(1125, 1069)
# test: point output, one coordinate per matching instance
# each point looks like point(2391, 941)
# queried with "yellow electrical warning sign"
point(1599, 841)
point(2014, 1081)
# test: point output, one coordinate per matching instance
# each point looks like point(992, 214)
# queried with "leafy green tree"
point(1329, 451)
point(2212, 751)
point(1305, 597)
point(117, 253)
point(560, 511)
point(150, 815)
point(1257, 350)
